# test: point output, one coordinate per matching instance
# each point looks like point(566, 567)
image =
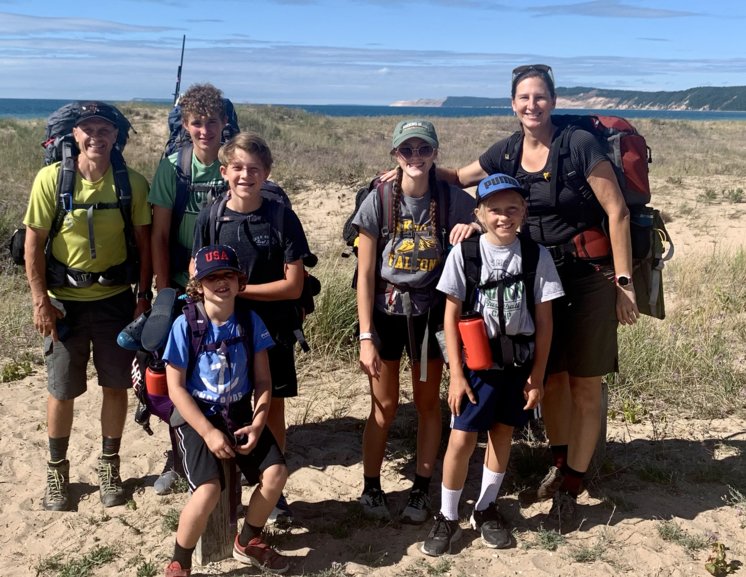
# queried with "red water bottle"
point(477, 352)
point(155, 379)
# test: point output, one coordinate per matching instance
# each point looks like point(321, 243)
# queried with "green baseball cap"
point(407, 129)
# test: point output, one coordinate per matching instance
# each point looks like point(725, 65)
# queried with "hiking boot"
point(259, 554)
point(546, 489)
point(563, 511)
point(375, 506)
point(110, 483)
point(174, 570)
point(493, 527)
point(418, 508)
point(56, 497)
point(281, 515)
point(443, 534)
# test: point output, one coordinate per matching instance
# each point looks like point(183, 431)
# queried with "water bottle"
point(477, 352)
point(155, 379)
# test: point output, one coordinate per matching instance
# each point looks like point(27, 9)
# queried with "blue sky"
point(362, 51)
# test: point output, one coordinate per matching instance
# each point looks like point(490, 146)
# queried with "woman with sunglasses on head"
point(405, 229)
point(599, 293)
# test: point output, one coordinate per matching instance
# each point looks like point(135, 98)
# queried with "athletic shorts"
point(90, 324)
point(393, 335)
point(584, 341)
point(282, 366)
point(201, 465)
point(499, 400)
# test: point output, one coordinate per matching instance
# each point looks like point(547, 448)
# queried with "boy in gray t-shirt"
point(497, 398)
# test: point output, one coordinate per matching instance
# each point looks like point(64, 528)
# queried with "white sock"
point(491, 482)
point(449, 502)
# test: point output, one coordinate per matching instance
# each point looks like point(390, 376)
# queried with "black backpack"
point(503, 347)
point(59, 146)
point(278, 203)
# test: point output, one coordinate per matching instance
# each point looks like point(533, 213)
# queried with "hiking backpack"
point(278, 203)
point(59, 146)
point(386, 200)
point(630, 156)
point(503, 347)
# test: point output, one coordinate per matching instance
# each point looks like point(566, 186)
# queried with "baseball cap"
point(97, 109)
point(495, 183)
point(407, 129)
point(214, 258)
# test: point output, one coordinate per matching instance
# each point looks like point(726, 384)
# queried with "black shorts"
point(584, 340)
point(201, 465)
point(393, 334)
point(282, 366)
point(499, 400)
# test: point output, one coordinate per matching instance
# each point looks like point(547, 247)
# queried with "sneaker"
point(563, 511)
point(443, 534)
point(174, 570)
point(418, 508)
point(165, 483)
point(259, 554)
point(546, 489)
point(374, 505)
point(56, 497)
point(281, 515)
point(493, 527)
point(110, 483)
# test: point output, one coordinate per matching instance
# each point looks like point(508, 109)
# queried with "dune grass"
point(690, 364)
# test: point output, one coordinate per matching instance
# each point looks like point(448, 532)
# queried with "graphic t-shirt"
point(499, 261)
point(220, 377)
point(163, 194)
point(412, 259)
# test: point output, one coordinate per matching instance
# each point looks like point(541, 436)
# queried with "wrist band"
point(366, 336)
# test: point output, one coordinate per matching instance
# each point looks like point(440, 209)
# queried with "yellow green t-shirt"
point(70, 245)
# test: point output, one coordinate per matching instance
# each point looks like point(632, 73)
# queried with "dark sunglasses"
point(525, 69)
point(407, 152)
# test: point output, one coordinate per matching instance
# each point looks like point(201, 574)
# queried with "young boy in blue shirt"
point(213, 417)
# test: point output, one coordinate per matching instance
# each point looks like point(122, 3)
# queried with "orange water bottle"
point(477, 352)
point(155, 379)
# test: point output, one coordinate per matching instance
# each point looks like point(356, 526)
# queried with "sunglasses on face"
point(525, 69)
point(407, 152)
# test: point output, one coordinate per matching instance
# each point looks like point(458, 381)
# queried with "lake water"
point(41, 108)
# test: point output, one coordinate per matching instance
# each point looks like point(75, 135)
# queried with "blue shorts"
point(499, 400)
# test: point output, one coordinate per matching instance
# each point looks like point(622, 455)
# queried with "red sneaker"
point(261, 555)
point(174, 570)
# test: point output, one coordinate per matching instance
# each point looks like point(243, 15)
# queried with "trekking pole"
point(178, 71)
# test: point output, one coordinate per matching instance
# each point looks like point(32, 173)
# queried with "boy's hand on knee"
point(459, 387)
point(218, 444)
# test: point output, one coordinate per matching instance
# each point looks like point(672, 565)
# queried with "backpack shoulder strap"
point(183, 182)
point(385, 191)
point(243, 316)
point(511, 158)
point(443, 201)
point(197, 325)
point(472, 270)
point(214, 221)
point(124, 195)
point(530, 262)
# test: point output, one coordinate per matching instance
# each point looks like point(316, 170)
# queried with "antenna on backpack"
point(178, 71)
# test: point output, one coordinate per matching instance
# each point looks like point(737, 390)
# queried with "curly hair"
point(194, 287)
point(202, 100)
point(250, 143)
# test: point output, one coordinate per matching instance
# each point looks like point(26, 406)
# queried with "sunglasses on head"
point(407, 152)
point(526, 68)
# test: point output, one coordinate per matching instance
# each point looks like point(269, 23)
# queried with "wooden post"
point(216, 542)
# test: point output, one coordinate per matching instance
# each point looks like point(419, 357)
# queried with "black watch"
point(146, 295)
point(623, 280)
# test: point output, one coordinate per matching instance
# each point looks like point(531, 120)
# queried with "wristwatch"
point(623, 280)
point(145, 295)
